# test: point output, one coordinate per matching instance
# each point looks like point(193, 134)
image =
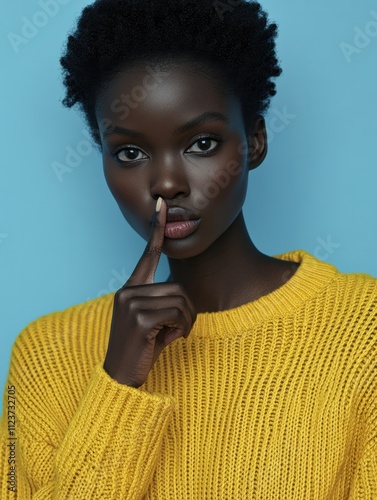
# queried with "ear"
point(257, 141)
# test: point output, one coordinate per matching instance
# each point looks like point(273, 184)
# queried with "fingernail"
point(158, 204)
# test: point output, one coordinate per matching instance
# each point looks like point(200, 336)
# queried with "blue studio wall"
point(63, 239)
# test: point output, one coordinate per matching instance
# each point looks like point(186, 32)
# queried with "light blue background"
point(62, 243)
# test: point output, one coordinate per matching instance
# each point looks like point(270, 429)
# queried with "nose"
point(169, 178)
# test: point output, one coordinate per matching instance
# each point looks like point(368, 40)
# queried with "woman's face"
point(151, 147)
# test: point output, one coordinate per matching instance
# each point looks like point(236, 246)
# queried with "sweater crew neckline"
point(310, 278)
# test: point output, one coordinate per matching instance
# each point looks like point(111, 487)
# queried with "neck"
point(231, 272)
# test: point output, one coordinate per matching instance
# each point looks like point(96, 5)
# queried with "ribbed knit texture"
point(274, 399)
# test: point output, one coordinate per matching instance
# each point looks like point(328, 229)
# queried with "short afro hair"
point(234, 36)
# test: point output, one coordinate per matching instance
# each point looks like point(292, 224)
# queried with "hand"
point(147, 316)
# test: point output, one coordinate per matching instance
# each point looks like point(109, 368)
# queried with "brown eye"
point(129, 154)
point(205, 145)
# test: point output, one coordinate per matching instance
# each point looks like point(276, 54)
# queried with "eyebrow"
point(210, 115)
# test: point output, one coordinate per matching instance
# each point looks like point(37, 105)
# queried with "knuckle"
point(132, 306)
point(122, 297)
point(181, 300)
point(156, 223)
point(179, 288)
point(142, 321)
point(151, 249)
point(176, 312)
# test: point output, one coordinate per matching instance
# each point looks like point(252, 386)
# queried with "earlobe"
point(257, 141)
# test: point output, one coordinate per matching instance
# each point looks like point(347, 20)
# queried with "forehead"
point(168, 93)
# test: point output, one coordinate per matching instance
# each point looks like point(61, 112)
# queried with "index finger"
point(146, 267)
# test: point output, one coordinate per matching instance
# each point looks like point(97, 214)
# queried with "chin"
point(185, 248)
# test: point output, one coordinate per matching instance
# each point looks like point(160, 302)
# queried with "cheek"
point(111, 178)
point(121, 185)
point(128, 197)
point(223, 188)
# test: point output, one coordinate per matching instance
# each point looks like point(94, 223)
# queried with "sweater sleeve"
point(108, 450)
point(364, 486)
point(364, 481)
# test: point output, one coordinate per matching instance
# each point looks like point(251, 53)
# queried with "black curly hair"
point(230, 38)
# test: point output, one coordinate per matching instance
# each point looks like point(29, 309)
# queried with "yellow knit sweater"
point(274, 399)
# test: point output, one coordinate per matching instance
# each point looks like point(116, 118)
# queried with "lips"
point(176, 214)
point(178, 230)
point(180, 222)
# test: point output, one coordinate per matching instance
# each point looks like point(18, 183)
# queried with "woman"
point(242, 375)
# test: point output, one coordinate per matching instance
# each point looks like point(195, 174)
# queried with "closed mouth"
point(176, 214)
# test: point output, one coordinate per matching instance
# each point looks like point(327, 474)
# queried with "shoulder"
point(72, 335)
point(351, 304)
point(56, 353)
point(343, 303)
point(350, 300)
point(330, 292)
point(358, 291)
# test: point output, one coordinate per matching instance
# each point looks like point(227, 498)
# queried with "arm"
point(109, 449)
point(364, 480)
point(364, 484)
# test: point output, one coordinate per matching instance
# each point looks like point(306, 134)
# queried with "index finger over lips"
point(146, 267)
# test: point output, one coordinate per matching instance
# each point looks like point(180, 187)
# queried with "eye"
point(205, 144)
point(129, 154)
